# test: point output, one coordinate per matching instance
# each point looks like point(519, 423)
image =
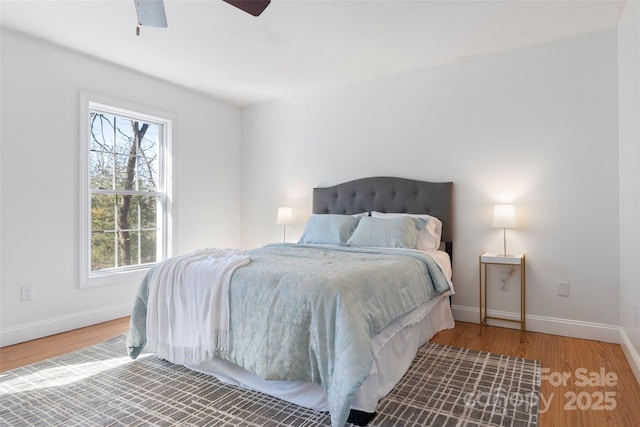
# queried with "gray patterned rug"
point(101, 386)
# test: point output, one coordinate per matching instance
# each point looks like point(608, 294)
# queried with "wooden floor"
point(585, 383)
point(14, 356)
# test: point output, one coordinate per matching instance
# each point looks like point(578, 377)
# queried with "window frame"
point(89, 102)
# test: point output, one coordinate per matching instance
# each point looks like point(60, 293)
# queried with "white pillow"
point(428, 237)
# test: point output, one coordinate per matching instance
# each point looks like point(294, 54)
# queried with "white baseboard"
point(547, 325)
point(30, 331)
point(631, 354)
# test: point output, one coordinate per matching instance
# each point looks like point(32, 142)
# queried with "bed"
point(325, 346)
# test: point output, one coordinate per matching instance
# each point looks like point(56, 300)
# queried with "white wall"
point(41, 86)
point(629, 112)
point(536, 126)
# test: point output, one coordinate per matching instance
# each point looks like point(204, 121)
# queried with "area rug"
point(101, 386)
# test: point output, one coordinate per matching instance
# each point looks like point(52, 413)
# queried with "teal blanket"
point(309, 313)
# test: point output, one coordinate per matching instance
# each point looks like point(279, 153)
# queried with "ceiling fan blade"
point(151, 13)
point(253, 7)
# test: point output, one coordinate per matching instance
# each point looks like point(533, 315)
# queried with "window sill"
point(114, 278)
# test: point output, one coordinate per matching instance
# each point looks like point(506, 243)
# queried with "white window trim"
point(89, 100)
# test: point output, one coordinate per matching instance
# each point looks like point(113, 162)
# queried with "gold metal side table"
point(489, 258)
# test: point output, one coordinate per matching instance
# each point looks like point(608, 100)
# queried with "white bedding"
point(189, 331)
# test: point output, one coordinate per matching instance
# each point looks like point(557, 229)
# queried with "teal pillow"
point(328, 229)
point(399, 232)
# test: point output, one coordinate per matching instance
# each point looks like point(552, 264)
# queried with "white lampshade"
point(504, 216)
point(285, 216)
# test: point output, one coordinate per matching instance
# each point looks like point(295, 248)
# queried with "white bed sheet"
point(394, 349)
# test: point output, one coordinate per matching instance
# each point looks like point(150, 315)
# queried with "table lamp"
point(504, 216)
point(285, 217)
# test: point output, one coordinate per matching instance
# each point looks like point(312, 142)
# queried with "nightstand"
point(489, 258)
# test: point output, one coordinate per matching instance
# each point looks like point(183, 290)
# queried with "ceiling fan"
point(151, 12)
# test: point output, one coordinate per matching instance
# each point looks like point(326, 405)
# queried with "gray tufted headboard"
point(389, 194)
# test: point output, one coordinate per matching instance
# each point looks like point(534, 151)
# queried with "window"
point(126, 200)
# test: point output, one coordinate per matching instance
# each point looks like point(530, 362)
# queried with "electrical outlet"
point(563, 288)
point(26, 293)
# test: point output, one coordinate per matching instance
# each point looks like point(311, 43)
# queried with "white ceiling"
point(300, 46)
